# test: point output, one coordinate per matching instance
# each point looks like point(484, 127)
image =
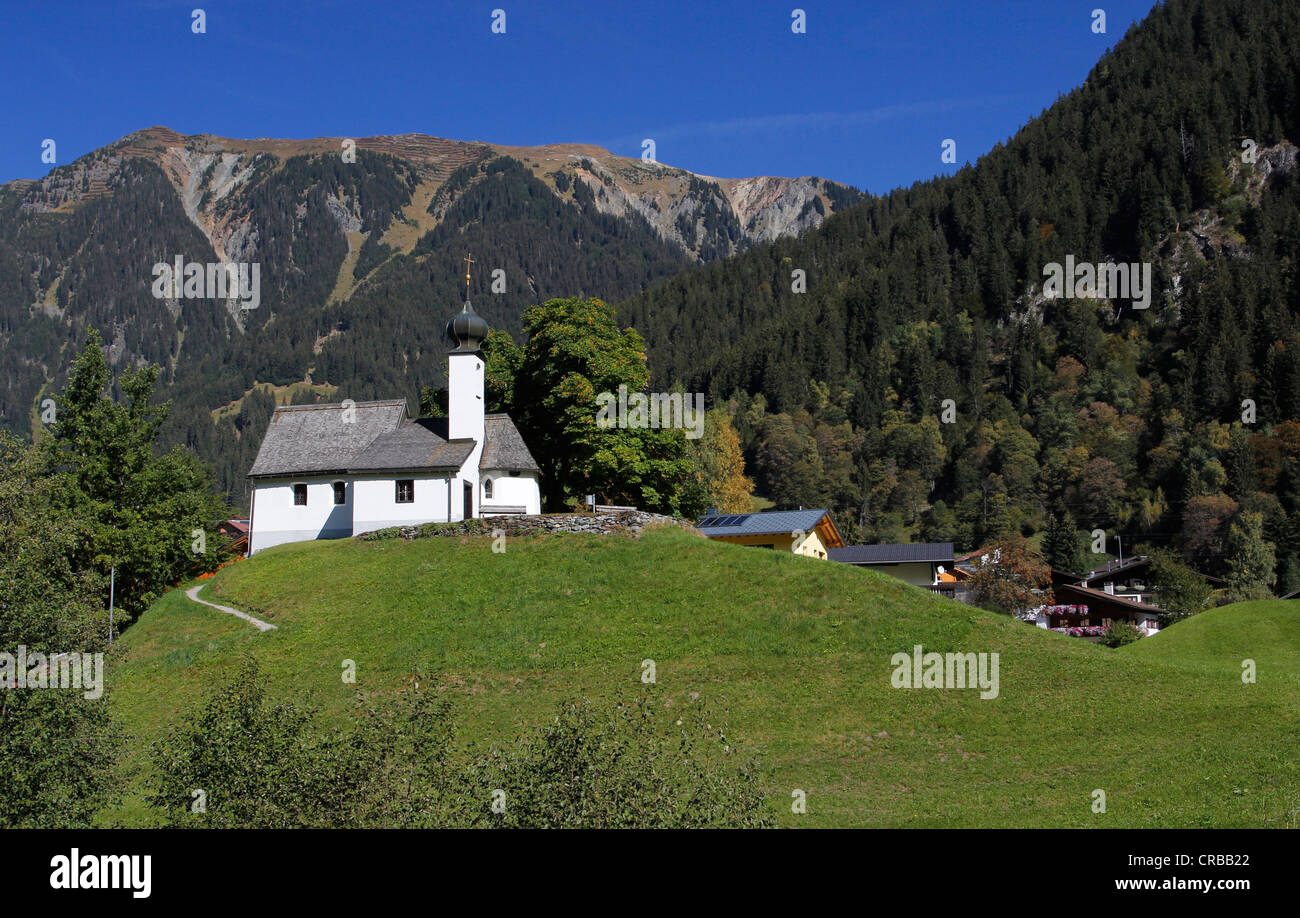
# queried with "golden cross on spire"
point(468, 261)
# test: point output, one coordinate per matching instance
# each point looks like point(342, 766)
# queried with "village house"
point(236, 531)
point(332, 471)
point(1088, 602)
point(923, 564)
point(804, 532)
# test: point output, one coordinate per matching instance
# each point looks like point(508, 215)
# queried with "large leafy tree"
point(502, 359)
point(150, 516)
point(1251, 559)
point(1011, 578)
point(1179, 590)
point(56, 745)
point(722, 466)
point(574, 353)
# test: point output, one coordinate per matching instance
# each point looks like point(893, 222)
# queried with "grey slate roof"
point(315, 440)
point(771, 522)
point(303, 439)
point(503, 447)
point(940, 552)
point(413, 445)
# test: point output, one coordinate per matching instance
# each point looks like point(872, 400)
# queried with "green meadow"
point(792, 654)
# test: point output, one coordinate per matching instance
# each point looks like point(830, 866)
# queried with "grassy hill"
point(1220, 639)
point(794, 653)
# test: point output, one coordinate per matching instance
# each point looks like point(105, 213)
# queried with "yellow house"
point(802, 532)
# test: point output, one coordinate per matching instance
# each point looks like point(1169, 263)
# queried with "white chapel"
point(332, 471)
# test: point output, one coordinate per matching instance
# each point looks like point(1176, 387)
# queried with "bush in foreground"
point(634, 766)
point(244, 760)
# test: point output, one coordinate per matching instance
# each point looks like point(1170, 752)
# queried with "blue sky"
point(866, 96)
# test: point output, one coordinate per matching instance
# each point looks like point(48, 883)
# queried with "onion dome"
point(467, 329)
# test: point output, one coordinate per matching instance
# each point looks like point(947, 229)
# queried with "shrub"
point(624, 768)
point(1119, 633)
point(263, 764)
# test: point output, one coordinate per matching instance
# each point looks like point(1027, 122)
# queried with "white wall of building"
point(276, 519)
point(522, 490)
point(465, 412)
point(372, 499)
point(465, 397)
point(377, 506)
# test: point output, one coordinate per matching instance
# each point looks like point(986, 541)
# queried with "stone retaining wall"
point(631, 521)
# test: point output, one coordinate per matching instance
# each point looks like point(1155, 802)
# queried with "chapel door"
point(469, 501)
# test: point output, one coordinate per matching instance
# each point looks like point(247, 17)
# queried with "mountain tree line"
point(925, 388)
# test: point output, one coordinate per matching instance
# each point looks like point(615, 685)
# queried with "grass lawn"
point(792, 653)
point(1219, 640)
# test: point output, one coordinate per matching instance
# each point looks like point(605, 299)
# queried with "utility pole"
point(112, 589)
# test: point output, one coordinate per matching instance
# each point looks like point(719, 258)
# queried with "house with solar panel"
point(332, 471)
point(803, 532)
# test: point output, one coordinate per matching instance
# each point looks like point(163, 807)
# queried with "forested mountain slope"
point(359, 250)
point(1085, 411)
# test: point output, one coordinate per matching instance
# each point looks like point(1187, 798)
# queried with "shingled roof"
point(319, 439)
point(370, 437)
point(893, 554)
point(503, 447)
point(413, 445)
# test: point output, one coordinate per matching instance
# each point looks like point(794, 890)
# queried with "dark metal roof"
point(1114, 569)
point(940, 552)
point(770, 522)
point(503, 447)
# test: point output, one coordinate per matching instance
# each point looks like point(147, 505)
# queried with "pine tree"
point(1061, 545)
point(151, 517)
